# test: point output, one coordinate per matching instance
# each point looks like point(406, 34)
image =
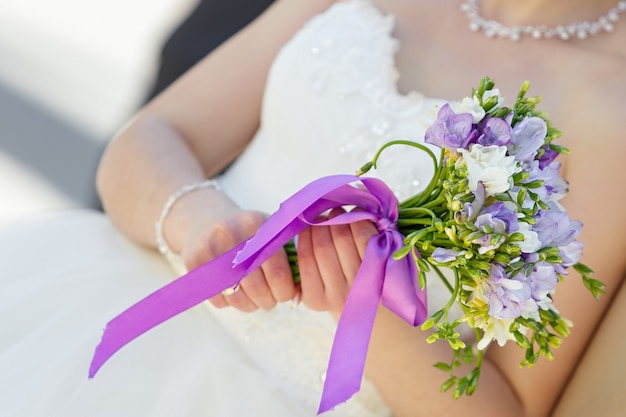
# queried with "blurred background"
point(71, 73)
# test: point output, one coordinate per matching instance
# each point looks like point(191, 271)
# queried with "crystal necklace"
point(579, 30)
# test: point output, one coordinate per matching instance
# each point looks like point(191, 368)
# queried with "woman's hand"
point(329, 258)
point(213, 232)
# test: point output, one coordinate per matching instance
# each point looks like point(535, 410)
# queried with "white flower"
point(496, 329)
point(469, 105)
point(531, 242)
point(495, 92)
point(489, 165)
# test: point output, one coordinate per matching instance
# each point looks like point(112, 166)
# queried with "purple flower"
point(451, 130)
point(471, 210)
point(494, 131)
point(571, 255)
point(506, 297)
point(541, 281)
point(554, 186)
point(548, 156)
point(443, 256)
point(496, 221)
point(528, 136)
point(501, 212)
point(555, 228)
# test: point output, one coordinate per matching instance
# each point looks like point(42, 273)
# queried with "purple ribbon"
point(379, 278)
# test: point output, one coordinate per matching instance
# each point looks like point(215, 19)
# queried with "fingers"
point(263, 288)
point(270, 284)
point(329, 259)
point(325, 285)
point(278, 276)
point(313, 291)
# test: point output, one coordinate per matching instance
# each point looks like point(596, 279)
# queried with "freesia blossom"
point(496, 221)
point(506, 297)
point(527, 137)
point(494, 92)
point(489, 165)
point(443, 255)
point(541, 281)
point(494, 131)
point(571, 254)
point(554, 186)
point(469, 105)
point(547, 156)
point(495, 328)
point(555, 228)
point(450, 131)
point(531, 242)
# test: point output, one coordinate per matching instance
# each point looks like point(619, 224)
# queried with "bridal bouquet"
point(490, 216)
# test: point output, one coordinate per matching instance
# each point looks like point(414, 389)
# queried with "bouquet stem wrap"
point(380, 278)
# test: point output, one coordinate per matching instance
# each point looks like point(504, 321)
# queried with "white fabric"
point(331, 101)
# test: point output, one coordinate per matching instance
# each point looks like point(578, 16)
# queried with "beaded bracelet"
point(162, 245)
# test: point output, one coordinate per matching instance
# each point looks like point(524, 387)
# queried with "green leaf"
point(460, 388)
point(534, 184)
point(596, 287)
point(402, 252)
point(583, 269)
point(443, 366)
point(448, 384)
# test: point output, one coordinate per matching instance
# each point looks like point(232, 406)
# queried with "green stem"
point(435, 178)
point(437, 202)
point(480, 353)
point(405, 142)
point(455, 293)
point(439, 168)
point(403, 223)
point(292, 257)
point(410, 212)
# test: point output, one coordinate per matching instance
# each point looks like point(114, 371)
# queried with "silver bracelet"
point(162, 245)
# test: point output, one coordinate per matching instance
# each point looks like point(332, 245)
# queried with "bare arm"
point(192, 131)
point(195, 128)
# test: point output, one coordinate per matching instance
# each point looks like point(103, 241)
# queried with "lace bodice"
point(331, 101)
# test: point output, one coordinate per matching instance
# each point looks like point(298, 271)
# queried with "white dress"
point(330, 102)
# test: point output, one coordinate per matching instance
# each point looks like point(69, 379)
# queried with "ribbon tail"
point(187, 291)
point(349, 351)
point(401, 292)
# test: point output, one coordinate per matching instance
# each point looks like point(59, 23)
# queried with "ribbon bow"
point(379, 278)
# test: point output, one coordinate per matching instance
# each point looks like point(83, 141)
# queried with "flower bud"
point(456, 206)
point(428, 324)
point(474, 236)
point(511, 249)
point(554, 341)
point(534, 184)
point(478, 264)
point(502, 258)
point(365, 168)
point(516, 237)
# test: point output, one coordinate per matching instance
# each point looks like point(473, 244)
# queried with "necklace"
point(578, 30)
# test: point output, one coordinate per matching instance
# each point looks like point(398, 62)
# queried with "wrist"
point(182, 209)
